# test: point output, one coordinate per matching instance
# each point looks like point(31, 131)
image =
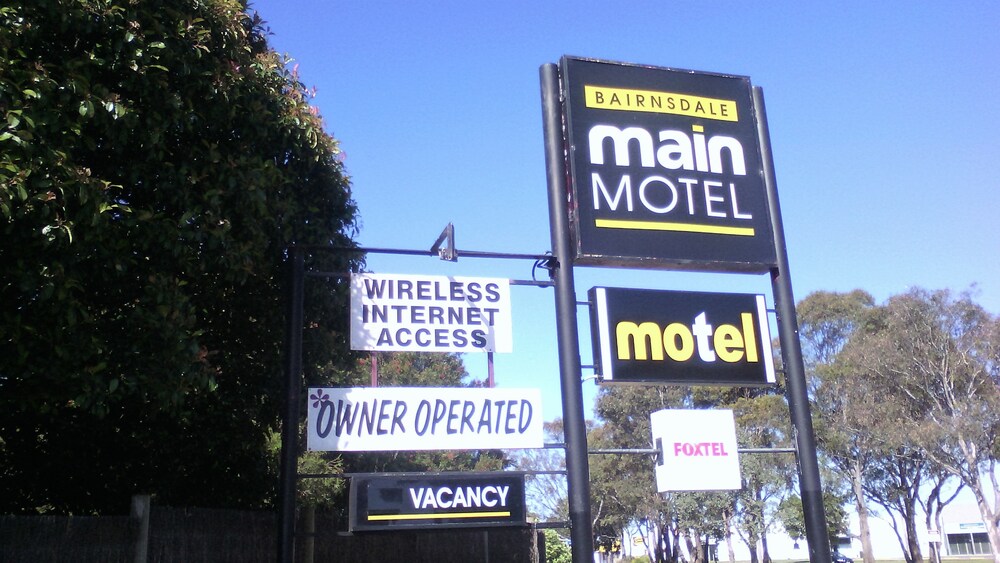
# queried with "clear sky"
point(883, 119)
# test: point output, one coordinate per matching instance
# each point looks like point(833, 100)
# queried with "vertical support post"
point(490, 380)
point(374, 356)
point(309, 549)
point(574, 423)
point(791, 350)
point(141, 507)
point(290, 420)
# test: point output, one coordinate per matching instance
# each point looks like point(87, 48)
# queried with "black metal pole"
point(290, 420)
point(574, 423)
point(810, 487)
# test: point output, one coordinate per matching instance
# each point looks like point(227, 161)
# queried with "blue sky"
point(883, 119)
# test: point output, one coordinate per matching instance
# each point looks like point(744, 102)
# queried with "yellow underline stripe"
point(375, 517)
point(678, 227)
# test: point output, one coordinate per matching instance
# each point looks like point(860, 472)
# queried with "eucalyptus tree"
point(623, 489)
point(546, 492)
point(941, 354)
point(762, 422)
point(845, 407)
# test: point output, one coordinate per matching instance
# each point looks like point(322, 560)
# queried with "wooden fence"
point(191, 535)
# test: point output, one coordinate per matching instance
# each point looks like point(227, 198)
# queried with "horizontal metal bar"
point(767, 450)
point(533, 282)
point(653, 451)
point(619, 451)
point(415, 252)
point(553, 524)
point(351, 475)
point(348, 274)
point(503, 255)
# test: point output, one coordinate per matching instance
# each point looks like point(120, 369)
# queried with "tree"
point(556, 551)
point(842, 404)
point(901, 383)
point(622, 486)
point(547, 495)
point(792, 519)
point(941, 353)
point(156, 160)
point(762, 422)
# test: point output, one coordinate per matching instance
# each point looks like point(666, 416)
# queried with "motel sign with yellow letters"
point(681, 337)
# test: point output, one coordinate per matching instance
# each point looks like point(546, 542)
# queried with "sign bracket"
point(447, 237)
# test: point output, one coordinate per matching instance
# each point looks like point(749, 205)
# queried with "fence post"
point(140, 510)
point(310, 540)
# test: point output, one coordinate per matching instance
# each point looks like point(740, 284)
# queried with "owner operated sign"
point(423, 418)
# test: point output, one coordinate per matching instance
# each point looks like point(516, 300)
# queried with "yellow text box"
point(652, 101)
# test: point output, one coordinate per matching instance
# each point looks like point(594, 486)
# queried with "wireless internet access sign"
point(666, 169)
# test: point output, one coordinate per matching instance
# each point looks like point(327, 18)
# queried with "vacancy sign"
point(391, 501)
point(367, 419)
point(698, 450)
point(416, 313)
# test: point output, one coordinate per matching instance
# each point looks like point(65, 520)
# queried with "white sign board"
point(423, 418)
point(418, 313)
point(699, 450)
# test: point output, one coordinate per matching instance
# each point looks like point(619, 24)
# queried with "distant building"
point(963, 535)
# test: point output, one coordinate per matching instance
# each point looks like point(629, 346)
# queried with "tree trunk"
point(861, 505)
point(933, 524)
point(752, 544)
point(911, 535)
point(727, 519)
point(988, 514)
point(763, 547)
point(695, 547)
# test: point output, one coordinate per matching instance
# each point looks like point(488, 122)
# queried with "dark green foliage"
point(156, 158)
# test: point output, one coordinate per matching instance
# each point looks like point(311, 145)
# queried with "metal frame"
point(445, 249)
point(569, 354)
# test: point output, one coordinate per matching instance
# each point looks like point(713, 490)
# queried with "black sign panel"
point(693, 338)
point(666, 169)
point(435, 500)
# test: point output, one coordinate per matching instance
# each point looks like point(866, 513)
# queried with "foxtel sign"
point(698, 450)
point(666, 169)
point(693, 338)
